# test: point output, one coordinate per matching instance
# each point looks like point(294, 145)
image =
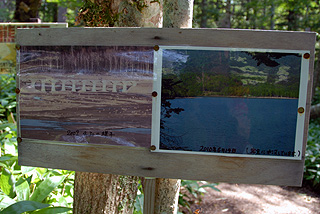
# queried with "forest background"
point(40, 190)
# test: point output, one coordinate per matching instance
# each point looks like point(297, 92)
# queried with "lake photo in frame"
point(233, 102)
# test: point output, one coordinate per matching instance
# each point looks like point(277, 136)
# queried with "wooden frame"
point(140, 161)
point(193, 147)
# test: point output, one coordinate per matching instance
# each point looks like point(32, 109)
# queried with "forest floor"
point(258, 199)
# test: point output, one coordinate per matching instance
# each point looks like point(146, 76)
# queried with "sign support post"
point(149, 195)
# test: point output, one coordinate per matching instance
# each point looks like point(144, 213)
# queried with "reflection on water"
point(135, 130)
point(235, 125)
point(31, 124)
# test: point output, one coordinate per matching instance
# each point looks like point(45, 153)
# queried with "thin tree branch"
point(315, 111)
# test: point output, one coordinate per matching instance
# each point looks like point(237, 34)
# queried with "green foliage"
point(192, 192)
point(48, 11)
point(256, 14)
point(138, 204)
point(7, 97)
point(312, 160)
point(23, 206)
point(316, 96)
point(6, 10)
point(97, 14)
point(27, 189)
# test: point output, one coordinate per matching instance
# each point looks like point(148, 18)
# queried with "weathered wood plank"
point(149, 195)
point(141, 162)
point(166, 36)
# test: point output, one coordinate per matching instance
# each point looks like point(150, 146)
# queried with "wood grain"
point(141, 162)
point(165, 36)
point(149, 195)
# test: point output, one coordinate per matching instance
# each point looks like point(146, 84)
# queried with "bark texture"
point(177, 13)
point(26, 10)
point(102, 193)
point(121, 13)
point(166, 195)
point(146, 14)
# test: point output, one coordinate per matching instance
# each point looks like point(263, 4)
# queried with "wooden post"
point(149, 195)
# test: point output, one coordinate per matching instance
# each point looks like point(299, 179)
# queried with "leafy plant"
point(312, 160)
point(192, 191)
point(138, 204)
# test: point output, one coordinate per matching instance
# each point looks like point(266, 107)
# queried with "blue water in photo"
point(231, 125)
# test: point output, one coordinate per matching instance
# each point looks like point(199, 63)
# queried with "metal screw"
point(300, 110)
point(18, 46)
point(19, 139)
point(17, 90)
point(156, 47)
point(153, 147)
point(306, 55)
point(154, 94)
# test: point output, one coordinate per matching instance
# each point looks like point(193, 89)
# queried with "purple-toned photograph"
point(86, 94)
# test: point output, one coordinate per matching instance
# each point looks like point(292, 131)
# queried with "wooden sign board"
point(114, 100)
point(7, 42)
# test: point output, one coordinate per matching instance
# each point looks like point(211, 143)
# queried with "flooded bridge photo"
point(99, 95)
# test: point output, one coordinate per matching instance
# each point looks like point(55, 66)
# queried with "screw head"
point(18, 46)
point(17, 90)
point(153, 147)
point(306, 55)
point(156, 47)
point(154, 94)
point(300, 110)
point(19, 139)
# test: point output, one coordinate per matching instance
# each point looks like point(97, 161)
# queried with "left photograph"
point(86, 94)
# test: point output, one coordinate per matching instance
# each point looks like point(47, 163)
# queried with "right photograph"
point(222, 101)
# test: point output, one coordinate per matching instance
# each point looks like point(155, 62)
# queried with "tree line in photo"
point(239, 73)
point(88, 59)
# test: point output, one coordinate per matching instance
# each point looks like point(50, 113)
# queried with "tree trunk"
point(176, 14)
point(315, 111)
point(272, 21)
point(316, 75)
point(102, 193)
point(62, 11)
point(225, 21)
point(166, 195)
point(204, 14)
point(26, 10)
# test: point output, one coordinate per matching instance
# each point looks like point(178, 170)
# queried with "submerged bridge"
point(57, 85)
